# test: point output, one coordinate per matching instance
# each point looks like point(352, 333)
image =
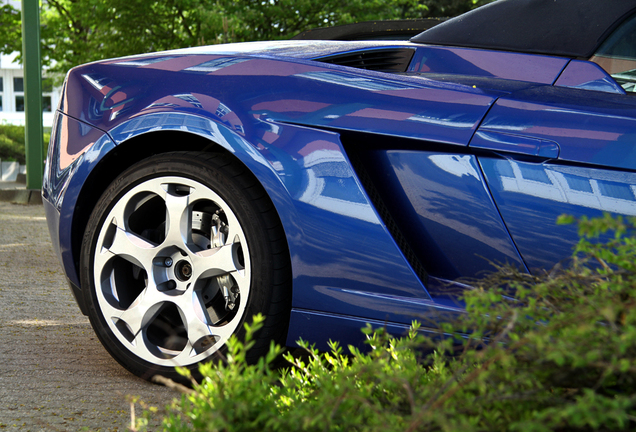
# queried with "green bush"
point(12, 143)
point(560, 357)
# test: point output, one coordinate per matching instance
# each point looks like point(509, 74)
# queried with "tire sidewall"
point(234, 195)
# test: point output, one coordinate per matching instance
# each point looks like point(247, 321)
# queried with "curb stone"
point(21, 196)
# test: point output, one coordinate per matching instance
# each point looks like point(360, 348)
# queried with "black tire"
point(180, 250)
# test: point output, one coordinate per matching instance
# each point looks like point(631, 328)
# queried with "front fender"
point(326, 214)
point(336, 240)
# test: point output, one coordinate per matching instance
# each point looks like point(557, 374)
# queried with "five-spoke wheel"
point(177, 254)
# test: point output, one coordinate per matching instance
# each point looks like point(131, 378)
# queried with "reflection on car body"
point(327, 184)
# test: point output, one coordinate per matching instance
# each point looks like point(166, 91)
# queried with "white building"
point(12, 93)
point(12, 89)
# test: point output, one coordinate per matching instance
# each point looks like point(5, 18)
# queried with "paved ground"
point(54, 373)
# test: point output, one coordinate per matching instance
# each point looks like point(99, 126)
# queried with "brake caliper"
point(226, 283)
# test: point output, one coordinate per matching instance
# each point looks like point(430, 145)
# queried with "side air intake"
point(381, 60)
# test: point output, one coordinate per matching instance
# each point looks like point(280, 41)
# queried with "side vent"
point(390, 60)
point(376, 198)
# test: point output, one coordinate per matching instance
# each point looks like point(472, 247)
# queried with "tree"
point(10, 31)
point(79, 31)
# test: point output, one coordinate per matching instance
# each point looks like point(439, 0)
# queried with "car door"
point(563, 149)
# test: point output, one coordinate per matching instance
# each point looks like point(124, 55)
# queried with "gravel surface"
point(54, 373)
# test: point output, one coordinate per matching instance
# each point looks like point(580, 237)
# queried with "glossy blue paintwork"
point(587, 76)
point(325, 213)
point(299, 91)
point(589, 126)
point(70, 140)
point(473, 153)
point(75, 149)
point(518, 144)
point(292, 49)
point(312, 326)
point(531, 196)
point(482, 63)
point(446, 212)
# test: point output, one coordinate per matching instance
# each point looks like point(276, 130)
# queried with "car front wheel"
point(179, 251)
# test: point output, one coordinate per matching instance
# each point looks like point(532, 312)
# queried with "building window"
point(18, 90)
point(1, 93)
point(47, 94)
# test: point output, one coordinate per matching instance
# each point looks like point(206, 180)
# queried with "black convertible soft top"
point(572, 28)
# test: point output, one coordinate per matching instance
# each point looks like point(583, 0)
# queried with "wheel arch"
point(112, 165)
point(143, 144)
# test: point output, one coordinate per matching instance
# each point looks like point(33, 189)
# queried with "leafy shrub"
point(12, 147)
point(560, 357)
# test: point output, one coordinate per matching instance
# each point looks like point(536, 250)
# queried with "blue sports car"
point(329, 184)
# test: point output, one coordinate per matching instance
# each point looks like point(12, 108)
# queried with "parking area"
point(54, 373)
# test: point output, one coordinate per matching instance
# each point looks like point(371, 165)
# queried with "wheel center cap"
point(183, 270)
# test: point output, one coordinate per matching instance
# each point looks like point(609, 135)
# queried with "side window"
point(617, 55)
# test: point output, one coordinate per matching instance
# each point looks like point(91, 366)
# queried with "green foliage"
point(561, 356)
point(75, 32)
point(12, 146)
point(10, 33)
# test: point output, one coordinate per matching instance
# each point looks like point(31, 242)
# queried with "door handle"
point(519, 144)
